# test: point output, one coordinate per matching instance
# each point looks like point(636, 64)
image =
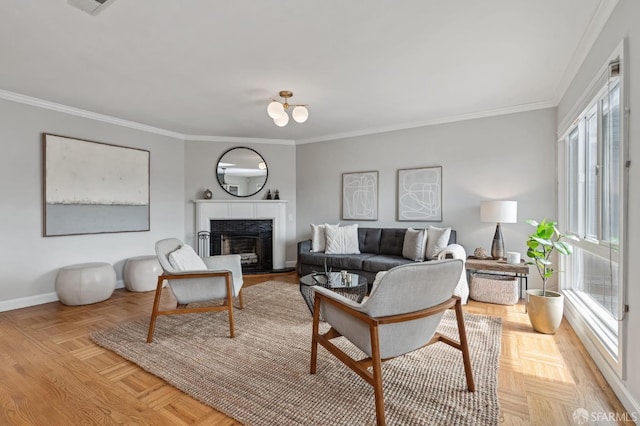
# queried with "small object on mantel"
point(268, 194)
point(277, 195)
point(207, 194)
point(480, 253)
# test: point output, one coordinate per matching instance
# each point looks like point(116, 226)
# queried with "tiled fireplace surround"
point(274, 210)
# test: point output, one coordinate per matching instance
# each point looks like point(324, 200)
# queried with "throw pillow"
point(342, 239)
point(414, 244)
point(437, 240)
point(318, 238)
point(377, 280)
point(186, 259)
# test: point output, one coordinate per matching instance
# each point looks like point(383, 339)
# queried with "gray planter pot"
point(545, 312)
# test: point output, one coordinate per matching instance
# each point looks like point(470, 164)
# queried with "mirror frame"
point(266, 177)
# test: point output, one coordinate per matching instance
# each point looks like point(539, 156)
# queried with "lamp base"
point(497, 246)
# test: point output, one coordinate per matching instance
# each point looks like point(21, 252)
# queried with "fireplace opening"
point(252, 239)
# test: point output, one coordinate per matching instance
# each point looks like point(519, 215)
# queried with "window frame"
point(583, 312)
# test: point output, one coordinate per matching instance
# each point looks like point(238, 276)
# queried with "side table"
point(499, 267)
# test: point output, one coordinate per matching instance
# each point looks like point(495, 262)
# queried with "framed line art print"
point(420, 194)
point(360, 196)
point(93, 187)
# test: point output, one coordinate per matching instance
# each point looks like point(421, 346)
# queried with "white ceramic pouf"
point(85, 283)
point(141, 273)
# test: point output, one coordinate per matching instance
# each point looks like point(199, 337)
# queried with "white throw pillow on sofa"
point(437, 240)
point(414, 246)
point(342, 239)
point(318, 238)
point(186, 259)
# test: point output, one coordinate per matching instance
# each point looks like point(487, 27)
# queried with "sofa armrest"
point(304, 246)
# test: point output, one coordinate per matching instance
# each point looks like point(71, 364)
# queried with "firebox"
point(252, 239)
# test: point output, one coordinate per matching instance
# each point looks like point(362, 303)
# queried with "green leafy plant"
point(542, 243)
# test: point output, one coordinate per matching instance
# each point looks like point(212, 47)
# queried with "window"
point(593, 171)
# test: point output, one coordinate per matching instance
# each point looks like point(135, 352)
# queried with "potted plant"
point(545, 307)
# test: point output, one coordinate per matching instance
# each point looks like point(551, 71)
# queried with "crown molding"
point(238, 139)
point(53, 106)
point(589, 37)
point(443, 120)
point(65, 109)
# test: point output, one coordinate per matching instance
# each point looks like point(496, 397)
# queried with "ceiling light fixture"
point(278, 110)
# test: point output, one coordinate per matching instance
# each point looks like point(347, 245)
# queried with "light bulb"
point(275, 109)
point(282, 120)
point(300, 114)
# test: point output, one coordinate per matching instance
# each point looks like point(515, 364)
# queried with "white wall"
point(28, 261)
point(200, 161)
point(622, 23)
point(508, 157)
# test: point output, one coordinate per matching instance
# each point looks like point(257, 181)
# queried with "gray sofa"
point(380, 250)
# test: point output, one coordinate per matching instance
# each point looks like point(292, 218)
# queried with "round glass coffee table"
point(354, 290)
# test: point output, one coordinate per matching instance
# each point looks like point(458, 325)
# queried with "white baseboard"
point(25, 302)
point(290, 263)
point(617, 385)
point(38, 299)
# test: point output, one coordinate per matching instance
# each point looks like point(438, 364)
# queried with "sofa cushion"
point(342, 239)
point(369, 240)
point(318, 239)
point(391, 241)
point(437, 240)
point(415, 241)
point(351, 262)
point(382, 262)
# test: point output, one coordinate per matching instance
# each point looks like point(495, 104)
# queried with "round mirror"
point(242, 172)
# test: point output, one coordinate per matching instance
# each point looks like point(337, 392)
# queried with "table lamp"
point(498, 212)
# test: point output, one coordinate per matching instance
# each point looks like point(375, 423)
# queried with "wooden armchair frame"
point(374, 362)
point(182, 309)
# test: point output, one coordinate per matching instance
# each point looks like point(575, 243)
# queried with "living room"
point(508, 152)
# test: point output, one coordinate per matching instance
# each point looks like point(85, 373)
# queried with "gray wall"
point(505, 157)
point(28, 261)
point(622, 23)
point(200, 161)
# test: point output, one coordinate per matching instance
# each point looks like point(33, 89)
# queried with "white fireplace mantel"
point(276, 210)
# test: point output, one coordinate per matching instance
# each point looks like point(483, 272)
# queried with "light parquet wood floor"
point(52, 374)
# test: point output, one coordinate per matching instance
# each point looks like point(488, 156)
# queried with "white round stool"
point(141, 273)
point(85, 283)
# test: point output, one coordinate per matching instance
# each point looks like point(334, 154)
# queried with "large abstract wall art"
point(91, 187)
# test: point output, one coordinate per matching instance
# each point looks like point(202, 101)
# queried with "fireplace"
point(274, 211)
point(252, 239)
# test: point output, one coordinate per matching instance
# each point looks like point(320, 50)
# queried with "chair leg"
point(230, 305)
point(154, 312)
point(240, 301)
point(376, 364)
point(315, 329)
point(464, 347)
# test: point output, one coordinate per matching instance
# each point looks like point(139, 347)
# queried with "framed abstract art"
point(92, 187)
point(420, 194)
point(360, 196)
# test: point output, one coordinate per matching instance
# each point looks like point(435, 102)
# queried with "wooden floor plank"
point(53, 374)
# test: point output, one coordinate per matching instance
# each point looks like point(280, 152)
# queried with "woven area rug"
point(261, 377)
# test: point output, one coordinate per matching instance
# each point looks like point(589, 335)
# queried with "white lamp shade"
point(275, 109)
point(282, 120)
point(300, 114)
point(499, 211)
